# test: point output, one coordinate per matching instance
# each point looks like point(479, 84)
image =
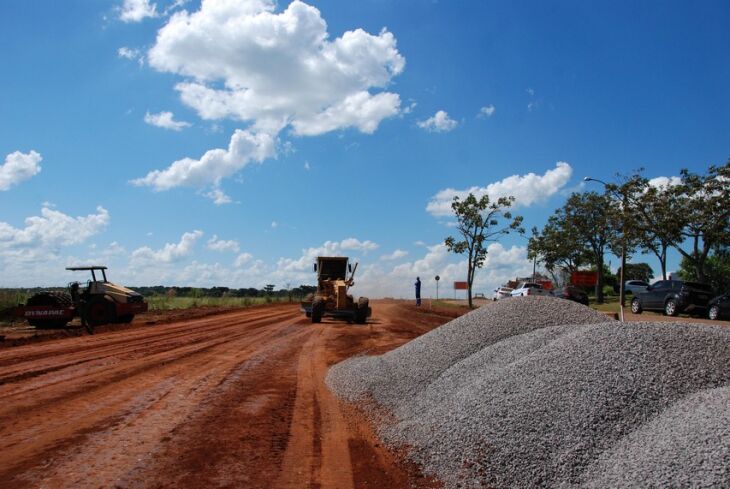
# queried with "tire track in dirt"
point(235, 400)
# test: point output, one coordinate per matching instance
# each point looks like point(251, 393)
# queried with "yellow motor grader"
point(331, 298)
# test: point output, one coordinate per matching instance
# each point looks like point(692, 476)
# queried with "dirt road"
point(235, 400)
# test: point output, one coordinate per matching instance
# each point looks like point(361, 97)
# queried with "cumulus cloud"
point(214, 165)
point(243, 259)
point(439, 122)
point(527, 189)
point(244, 61)
point(664, 182)
point(137, 10)
point(25, 252)
point(356, 244)
point(500, 265)
point(165, 120)
point(131, 54)
point(396, 255)
point(216, 244)
point(329, 248)
point(19, 167)
point(487, 111)
point(171, 252)
point(53, 228)
point(218, 196)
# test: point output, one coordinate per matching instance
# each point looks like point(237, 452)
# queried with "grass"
point(11, 298)
point(164, 303)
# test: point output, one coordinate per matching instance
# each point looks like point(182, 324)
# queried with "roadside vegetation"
point(641, 216)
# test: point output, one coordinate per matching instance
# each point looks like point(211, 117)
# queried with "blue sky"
point(332, 127)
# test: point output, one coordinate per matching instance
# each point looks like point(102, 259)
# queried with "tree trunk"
point(599, 281)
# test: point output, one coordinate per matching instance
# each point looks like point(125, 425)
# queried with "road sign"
point(460, 286)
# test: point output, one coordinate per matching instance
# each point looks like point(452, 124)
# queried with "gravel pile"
point(544, 392)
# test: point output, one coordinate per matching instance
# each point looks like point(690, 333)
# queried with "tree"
point(557, 247)
point(692, 216)
point(717, 270)
point(594, 221)
point(480, 222)
point(637, 271)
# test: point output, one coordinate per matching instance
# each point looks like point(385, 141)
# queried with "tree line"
point(634, 215)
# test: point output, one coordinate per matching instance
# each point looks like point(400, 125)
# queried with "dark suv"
point(673, 297)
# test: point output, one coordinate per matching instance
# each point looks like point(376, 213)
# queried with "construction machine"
point(332, 298)
point(96, 303)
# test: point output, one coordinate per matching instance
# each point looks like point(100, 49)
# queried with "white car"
point(529, 288)
point(502, 293)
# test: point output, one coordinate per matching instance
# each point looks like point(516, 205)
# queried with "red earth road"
point(232, 400)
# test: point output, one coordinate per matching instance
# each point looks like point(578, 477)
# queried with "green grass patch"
point(164, 303)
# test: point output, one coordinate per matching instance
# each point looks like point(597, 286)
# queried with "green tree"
point(480, 222)
point(637, 271)
point(692, 216)
point(557, 247)
point(594, 221)
point(717, 270)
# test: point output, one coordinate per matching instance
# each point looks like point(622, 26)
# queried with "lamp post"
point(622, 292)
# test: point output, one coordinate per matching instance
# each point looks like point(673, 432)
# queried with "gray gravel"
point(538, 391)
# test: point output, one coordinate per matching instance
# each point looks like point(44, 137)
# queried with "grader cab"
point(332, 298)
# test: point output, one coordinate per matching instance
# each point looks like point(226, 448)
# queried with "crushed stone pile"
point(544, 392)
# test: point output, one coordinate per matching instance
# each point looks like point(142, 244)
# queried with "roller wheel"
point(317, 310)
point(100, 311)
point(53, 299)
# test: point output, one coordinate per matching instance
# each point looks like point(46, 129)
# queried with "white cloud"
point(487, 111)
point(30, 255)
point(137, 10)
point(218, 196)
point(216, 244)
point(664, 182)
point(307, 166)
point(171, 252)
point(397, 254)
point(356, 244)
point(527, 189)
point(500, 265)
point(214, 165)
point(242, 259)
point(244, 61)
point(131, 54)
point(274, 224)
point(19, 167)
point(440, 122)
point(53, 228)
point(165, 120)
point(276, 67)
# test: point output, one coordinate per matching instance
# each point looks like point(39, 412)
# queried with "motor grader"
point(332, 298)
point(99, 302)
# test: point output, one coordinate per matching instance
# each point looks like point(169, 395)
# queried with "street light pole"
point(622, 292)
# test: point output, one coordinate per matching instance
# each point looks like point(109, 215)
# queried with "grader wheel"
point(317, 310)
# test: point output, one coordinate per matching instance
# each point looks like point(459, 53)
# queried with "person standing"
point(418, 291)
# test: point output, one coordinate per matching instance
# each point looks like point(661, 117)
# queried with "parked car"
point(635, 286)
point(571, 293)
point(529, 288)
point(501, 293)
point(719, 307)
point(673, 297)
